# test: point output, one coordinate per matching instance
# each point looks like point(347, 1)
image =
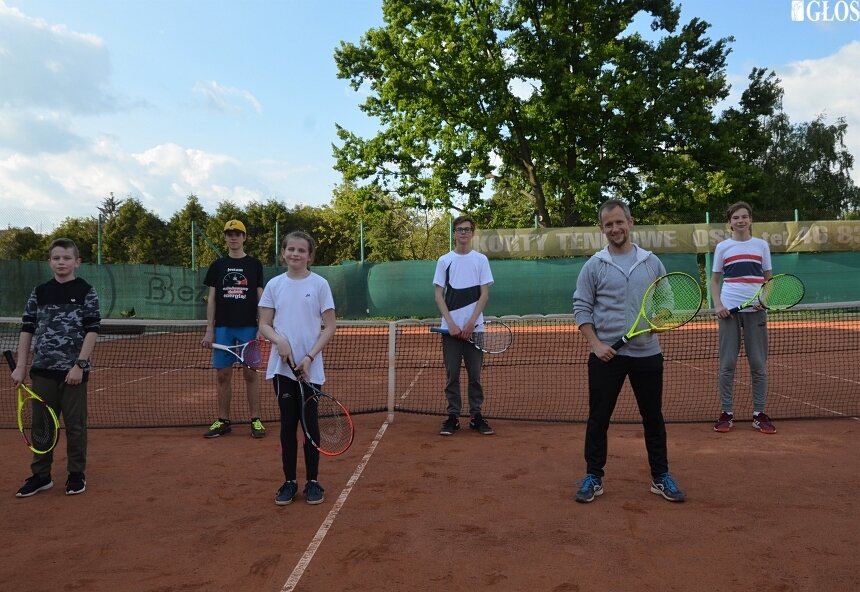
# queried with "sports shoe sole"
point(723, 429)
point(284, 503)
point(76, 491)
point(217, 435)
point(44, 487)
point(315, 502)
point(597, 493)
point(765, 430)
point(660, 492)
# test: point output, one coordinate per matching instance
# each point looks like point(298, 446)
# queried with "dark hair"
point(463, 218)
point(64, 243)
point(312, 246)
point(611, 204)
point(740, 205)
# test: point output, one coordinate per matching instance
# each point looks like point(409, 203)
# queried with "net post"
point(392, 376)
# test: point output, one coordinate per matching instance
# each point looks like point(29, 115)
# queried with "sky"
point(238, 101)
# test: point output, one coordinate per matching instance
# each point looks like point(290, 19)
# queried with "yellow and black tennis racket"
point(780, 292)
point(37, 421)
point(670, 301)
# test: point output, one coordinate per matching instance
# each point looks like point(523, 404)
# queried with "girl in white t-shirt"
point(297, 315)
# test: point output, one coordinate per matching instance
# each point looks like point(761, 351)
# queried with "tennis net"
point(149, 374)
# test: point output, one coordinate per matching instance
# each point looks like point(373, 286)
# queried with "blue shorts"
point(230, 336)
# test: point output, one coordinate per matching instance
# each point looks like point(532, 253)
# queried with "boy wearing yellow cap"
point(235, 285)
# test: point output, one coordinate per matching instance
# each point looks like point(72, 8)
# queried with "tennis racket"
point(670, 301)
point(325, 420)
point(780, 292)
point(37, 421)
point(496, 337)
point(250, 354)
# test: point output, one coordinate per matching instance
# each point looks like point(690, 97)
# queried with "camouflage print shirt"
point(59, 315)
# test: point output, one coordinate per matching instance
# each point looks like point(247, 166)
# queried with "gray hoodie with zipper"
point(609, 298)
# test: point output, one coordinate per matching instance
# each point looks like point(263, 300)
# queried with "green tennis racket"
point(670, 301)
point(780, 292)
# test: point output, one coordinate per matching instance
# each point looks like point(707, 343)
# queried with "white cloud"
point(50, 67)
point(829, 85)
point(223, 98)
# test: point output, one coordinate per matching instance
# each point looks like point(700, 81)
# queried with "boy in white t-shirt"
point(462, 286)
point(743, 262)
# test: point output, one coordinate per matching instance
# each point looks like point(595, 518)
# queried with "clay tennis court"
point(166, 510)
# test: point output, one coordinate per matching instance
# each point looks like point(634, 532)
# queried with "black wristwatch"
point(83, 364)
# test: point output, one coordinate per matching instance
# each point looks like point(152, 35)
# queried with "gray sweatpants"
point(454, 352)
point(753, 325)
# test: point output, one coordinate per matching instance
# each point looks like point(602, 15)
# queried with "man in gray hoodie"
point(606, 302)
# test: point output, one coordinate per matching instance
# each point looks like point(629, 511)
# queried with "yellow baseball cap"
point(235, 225)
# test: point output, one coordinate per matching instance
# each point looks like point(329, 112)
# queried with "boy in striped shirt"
point(743, 263)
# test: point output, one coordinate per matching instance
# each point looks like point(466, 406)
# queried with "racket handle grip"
point(439, 330)
point(9, 359)
point(735, 309)
point(620, 343)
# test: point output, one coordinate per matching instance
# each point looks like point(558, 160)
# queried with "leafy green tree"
point(778, 166)
point(572, 102)
point(84, 231)
point(134, 236)
point(22, 244)
point(178, 243)
point(261, 221)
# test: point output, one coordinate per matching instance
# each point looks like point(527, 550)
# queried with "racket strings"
point(673, 301)
point(253, 354)
point(334, 425)
point(493, 339)
point(782, 291)
point(42, 431)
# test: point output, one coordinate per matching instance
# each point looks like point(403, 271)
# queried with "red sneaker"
point(724, 423)
point(762, 423)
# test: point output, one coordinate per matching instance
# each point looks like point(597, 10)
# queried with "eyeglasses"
point(464, 230)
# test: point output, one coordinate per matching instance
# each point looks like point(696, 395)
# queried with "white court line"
point(305, 560)
point(832, 412)
point(414, 380)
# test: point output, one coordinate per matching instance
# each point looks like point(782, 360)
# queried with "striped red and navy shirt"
point(742, 264)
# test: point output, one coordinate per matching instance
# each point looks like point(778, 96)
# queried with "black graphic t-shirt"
point(236, 282)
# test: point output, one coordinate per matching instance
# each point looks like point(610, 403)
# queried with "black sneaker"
point(219, 427)
point(451, 425)
point(286, 493)
point(314, 493)
point(257, 428)
point(34, 484)
point(76, 483)
point(480, 424)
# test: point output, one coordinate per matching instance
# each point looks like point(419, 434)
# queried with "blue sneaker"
point(314, 493)
point(590, 488)
point(286, 493)
point(666, 486)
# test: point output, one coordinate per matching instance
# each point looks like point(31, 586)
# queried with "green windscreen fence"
point(400, 289)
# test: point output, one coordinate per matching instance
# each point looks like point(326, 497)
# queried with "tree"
point(778, 166)
point(23, 244)
point(178, 237)
point(134, 236)
point(109, 207)
point(84, 231)
point(571, 102)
